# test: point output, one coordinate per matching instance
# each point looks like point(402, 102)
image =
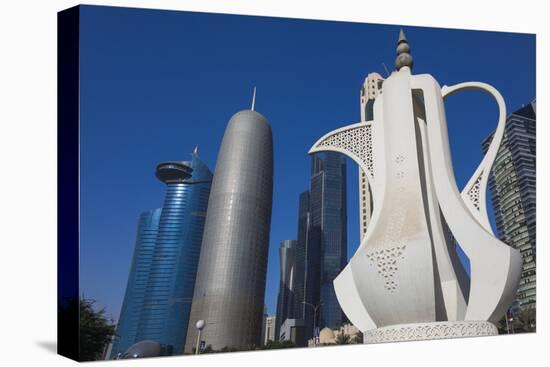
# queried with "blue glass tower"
point(308, 267)
point(328, 206)
point(137, 281)
point(171, 272)
point(285, 298)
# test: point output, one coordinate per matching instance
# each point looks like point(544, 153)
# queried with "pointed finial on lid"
point(402, 37)
point(196, 150)
point(253, 99)
point(404, 57)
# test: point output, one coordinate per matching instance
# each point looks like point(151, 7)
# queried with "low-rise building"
point(269, 329)
point(329, 336)
point(293, 330)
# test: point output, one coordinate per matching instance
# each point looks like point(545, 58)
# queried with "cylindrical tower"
point(171, 279)
point(230, 285)
point(142, 259)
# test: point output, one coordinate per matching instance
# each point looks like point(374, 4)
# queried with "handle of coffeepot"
point(474, 193)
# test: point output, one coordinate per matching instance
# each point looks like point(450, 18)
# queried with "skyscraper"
point(321, 247)
point(159, 293)
point(230, 286)
point(128, 321)
point(301, 255)
point(328, 214)
point(285, 298)
point(308, 267)
point(372, 87)
point(513, 190)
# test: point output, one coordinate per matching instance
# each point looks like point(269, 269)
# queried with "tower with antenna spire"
point(160, 286)
point(230, 286)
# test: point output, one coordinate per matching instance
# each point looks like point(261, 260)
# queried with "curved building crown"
point(230, 286)
point(169, 172)
point(161, 284)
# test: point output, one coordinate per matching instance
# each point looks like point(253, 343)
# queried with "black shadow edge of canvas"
point(68, 182)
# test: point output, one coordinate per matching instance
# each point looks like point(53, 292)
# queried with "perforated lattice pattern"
point(440, 330)
point(386, 262)
point(473, 193)
point(357, 141)
point(386, 259)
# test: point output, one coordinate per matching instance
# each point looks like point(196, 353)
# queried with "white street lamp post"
point(199, 325)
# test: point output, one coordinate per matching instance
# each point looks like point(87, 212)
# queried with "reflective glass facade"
point(329, 220)
point(308, 266)
point(132, 306)
point(513, 190)
point(328, 206)
point(301, 254)
point(321, 246)
point(285, 298)
point(170, 273)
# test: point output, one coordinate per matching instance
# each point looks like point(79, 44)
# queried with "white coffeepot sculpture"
point(405, 281)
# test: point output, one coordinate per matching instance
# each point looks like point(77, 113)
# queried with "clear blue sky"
point(155, 83)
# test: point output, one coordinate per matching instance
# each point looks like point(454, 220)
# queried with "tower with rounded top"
point(230, 285)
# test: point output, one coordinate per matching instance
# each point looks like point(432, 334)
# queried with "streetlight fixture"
point(199, 325)
point(315, 308)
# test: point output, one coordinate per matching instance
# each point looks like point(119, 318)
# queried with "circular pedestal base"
point(429, 330)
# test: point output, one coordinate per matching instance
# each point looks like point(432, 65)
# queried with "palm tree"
point(343, 338)
point(358, 338)
point(523, 320)
point(526, 320)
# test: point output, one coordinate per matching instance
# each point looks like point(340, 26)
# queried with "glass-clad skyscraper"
point(171, 271)
point(285, 298)
point(328, 206)
point(132, 306)
point(301, 255)
point(513, 190)
point(308, 267)
point(321, 246)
